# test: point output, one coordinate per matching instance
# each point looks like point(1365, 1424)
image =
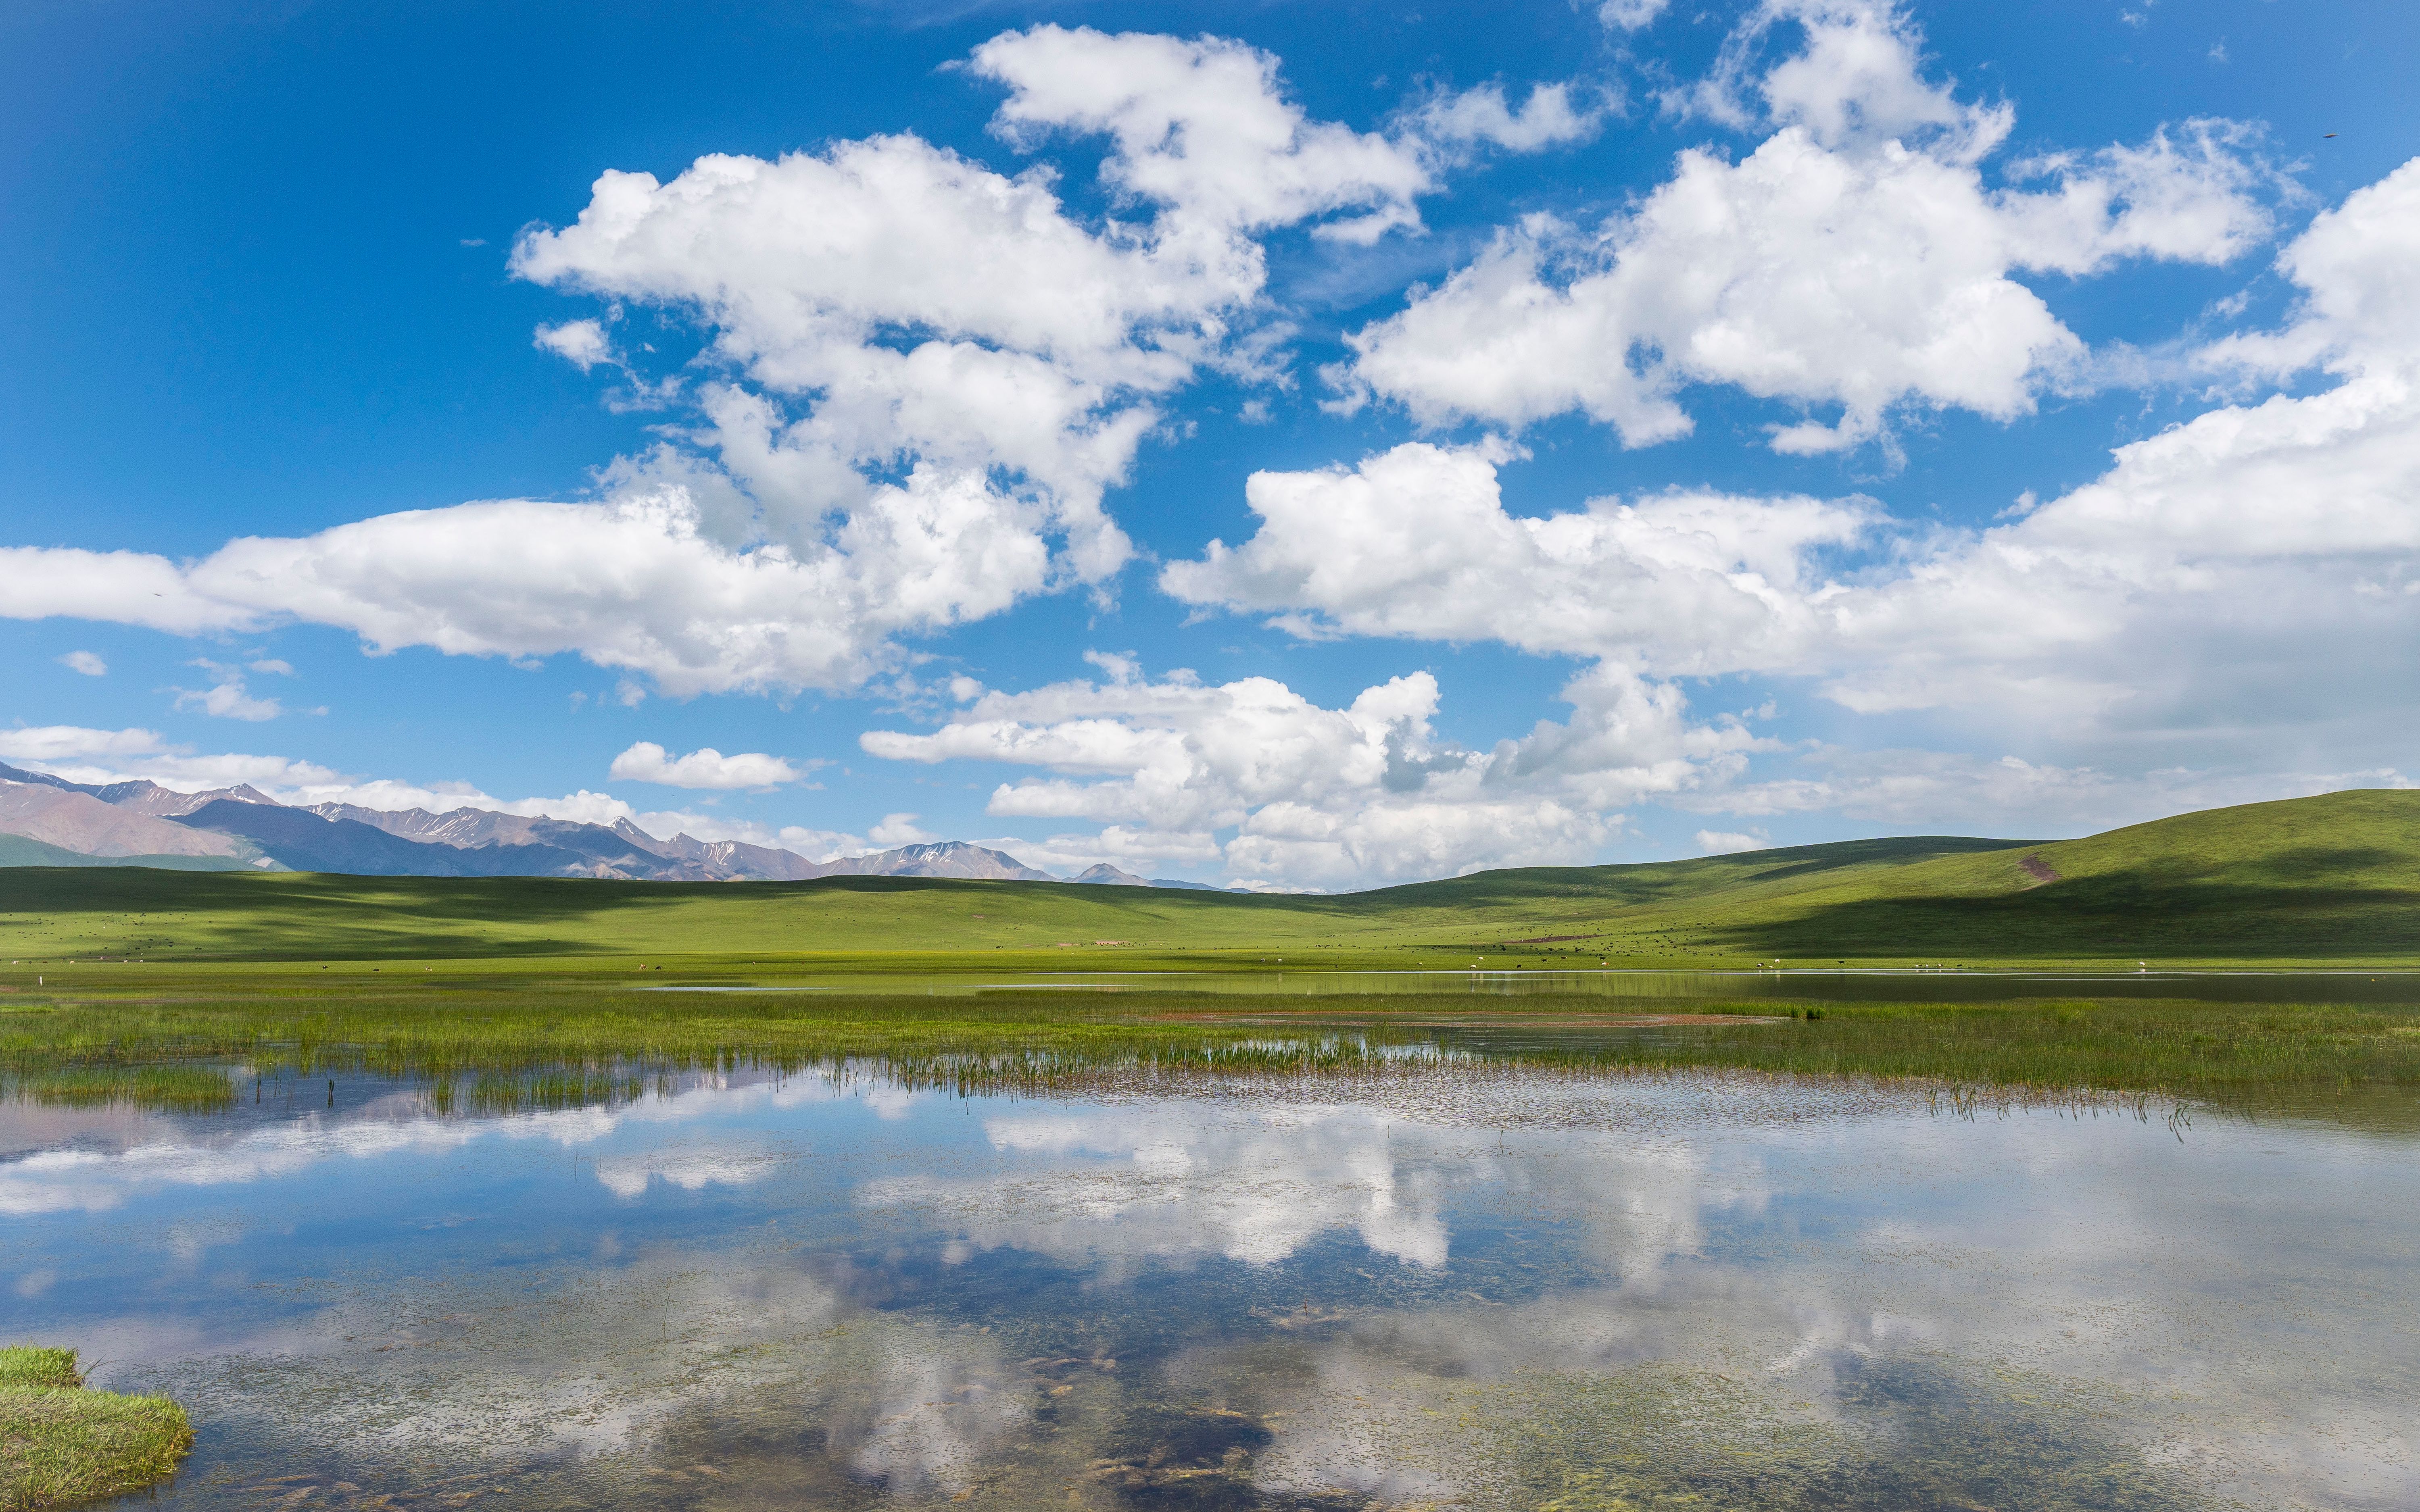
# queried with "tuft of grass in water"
point(62, 1444)
point(26, 1365)
point(160, 1089)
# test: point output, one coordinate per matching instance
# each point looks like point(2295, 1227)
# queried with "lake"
point(1434, 1278)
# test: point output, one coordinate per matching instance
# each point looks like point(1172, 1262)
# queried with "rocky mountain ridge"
point(142, 818)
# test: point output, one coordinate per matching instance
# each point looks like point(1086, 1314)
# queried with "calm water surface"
point(1437, 1282)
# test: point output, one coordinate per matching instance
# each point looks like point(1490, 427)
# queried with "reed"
point(175, 1089)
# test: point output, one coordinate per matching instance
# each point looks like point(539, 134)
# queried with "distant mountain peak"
point(938, 859)
point(466, 841)
point(1105, 874)
point(141, 795)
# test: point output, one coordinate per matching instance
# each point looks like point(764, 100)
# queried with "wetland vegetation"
point(61, 1444)
point(140, 1037)
point(1527, 1191)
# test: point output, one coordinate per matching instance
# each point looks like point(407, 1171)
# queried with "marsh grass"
point(29, 1365)
point(163, 1088)
point(2223, 1052)
point(537, 1044)
point(545, 1089)
point(62, 1444)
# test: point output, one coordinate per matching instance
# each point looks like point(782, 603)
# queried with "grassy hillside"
point(2335, 877)
point(2326, 879)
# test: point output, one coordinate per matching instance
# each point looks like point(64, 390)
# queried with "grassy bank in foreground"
point(2327, 880)
point(567, 1038)
point(61, 1444)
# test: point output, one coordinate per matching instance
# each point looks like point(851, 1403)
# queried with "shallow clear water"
point(1426, 1283)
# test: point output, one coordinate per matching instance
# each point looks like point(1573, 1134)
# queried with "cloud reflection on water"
point(1408, 1273)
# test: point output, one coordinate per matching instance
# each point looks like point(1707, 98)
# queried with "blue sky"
point(1998, 420)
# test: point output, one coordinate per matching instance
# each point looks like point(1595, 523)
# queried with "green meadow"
point(114, 982)
point(2323, 880)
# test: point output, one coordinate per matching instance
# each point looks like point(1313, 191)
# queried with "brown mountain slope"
point(82, 822)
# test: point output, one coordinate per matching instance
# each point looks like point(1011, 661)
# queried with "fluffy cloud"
point(1631, 15)
point(889, 302)
point(1321, 798)
point(2251, 567)
point(81, 754)
point(1417, 542)
point(67, 742)
point(636, 583)
point(707, 767)
point(581, 342)
point(229, 696)
point(1203, 128)
point(900, 829)
point(85, 662)
point(2007, 796)
point(1546, 118)
point(1854, 262)
point(1729, 842)
point(2247, 571)
point(923, 376)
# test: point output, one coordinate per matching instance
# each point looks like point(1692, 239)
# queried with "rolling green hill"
point(2314, 880)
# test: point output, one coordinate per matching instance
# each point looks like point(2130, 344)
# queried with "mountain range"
point(140, 823)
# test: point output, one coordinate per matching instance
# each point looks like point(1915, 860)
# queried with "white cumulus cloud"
point(581, 342)
point(1315, 796)
point(1631, 15)
point(1416, 542)
point(87, 662)
point(2231, 591)
point(226, 699)
point(635, 583)
point(1203, 127)
point(705, 768)
point(66, 742)
point(1856, 262)
point(1548, 118)
point(899, 829)
point(1729, 842)
point(923, 375)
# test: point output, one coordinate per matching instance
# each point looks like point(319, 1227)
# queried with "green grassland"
point(118, 985)
point(62, 1444)
point(2326, 880)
